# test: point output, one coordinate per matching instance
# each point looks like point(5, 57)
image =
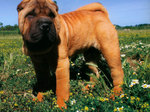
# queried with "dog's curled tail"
point(94, 7)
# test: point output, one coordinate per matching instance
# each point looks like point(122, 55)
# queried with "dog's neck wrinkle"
point(66, 30)
point(69, 30)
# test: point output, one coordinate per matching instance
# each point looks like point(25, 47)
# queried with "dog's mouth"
point(35, 37)
point(40, 42)
point(38, 46)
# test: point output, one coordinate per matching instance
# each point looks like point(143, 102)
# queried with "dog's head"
point(38, 23)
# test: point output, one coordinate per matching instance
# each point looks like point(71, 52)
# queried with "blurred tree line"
point(8, 27)
point(136, 27)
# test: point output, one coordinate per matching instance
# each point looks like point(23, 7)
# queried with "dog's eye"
point(30, 17)
point(52, 15)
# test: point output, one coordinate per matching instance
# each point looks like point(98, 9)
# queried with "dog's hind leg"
point(109, 46)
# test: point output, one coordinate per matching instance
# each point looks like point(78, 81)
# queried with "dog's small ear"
point(53, 7)
point(53, 4)
point(22, 5)
point(19, 7)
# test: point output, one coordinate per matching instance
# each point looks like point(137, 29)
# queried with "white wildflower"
point(134, 82)
point(120, 109)
point(140, 42)
point(93, 108)
point(146, 86)
point(123, 55)
point(131, 85)
point(126, 46)
point(133, 46)
point(18, 70)
point(102, 58)
point(26, 72)
point(78, 74)
point(73, 101)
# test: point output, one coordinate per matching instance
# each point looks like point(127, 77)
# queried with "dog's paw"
point(87, 88)
point(117, 90)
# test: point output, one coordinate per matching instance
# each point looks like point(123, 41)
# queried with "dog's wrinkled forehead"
point(35, 8)
point(37, 5)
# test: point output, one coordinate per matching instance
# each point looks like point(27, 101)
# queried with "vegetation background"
point(17, 77)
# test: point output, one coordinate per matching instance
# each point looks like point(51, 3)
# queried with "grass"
point(5, 33)
point(17, 79)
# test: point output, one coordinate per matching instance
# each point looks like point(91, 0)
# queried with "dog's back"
point(84, 23)
point(94, 7)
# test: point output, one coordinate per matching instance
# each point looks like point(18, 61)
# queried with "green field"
point(17, 79)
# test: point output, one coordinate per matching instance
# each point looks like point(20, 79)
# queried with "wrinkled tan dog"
point(50, 39)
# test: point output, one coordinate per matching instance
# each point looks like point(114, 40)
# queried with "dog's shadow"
point(49, 84)
point(75, 69)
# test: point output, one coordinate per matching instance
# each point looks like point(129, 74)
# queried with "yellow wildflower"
point(91, 94)
point(137, 99)
point(72, 63)
point(122, 95)
point(106, 99)
point(132, 101)
point(115, 109)
point(132, 98)
point(4, 100)
point(134, 73)
point(145, 105)
point(1, 92)
point(86, 108)
point(103, 99)
point(15, 104)
point(54, 99)
point(29, 91)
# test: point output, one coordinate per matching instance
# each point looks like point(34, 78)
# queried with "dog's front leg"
point(42, 70)
point(62, 81)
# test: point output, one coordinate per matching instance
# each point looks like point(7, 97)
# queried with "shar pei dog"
point(50, 39)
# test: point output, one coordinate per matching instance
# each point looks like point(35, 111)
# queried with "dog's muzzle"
point(42, 34)
point(40, 30)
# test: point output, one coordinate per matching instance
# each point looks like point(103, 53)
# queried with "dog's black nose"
point(45, 27)
point(44, 24)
